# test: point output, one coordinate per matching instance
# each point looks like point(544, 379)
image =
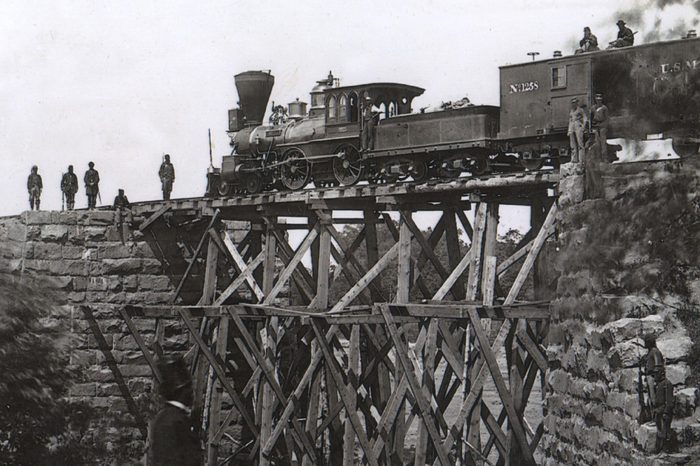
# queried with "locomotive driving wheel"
point(295, 170)
point(420, 172)
point(348, 168)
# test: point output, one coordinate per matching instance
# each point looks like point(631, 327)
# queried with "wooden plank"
point(266, 364)
point(219, 372)
point(533, 349)
point(349, 437)
point(502, 388)
point(364, 281)
point(344, 392)
point(323, 267)
point(186, 275)
point(142, 345)
point(454, 276)
point(494, 428)
point(241, 265)
point(269, 260)
point(155, 216)
point(423, 405)
point(314, 399)
point(453, 253)
point(350, 275)
point(427, 248)
point(488, 283)
point(210, 279)
point(514, 258)
point(396, 234)
point(539, 241)
point(403, 276)
point(242, 277)
point(106, 350)
point(476, 250)
point(316, 359)
point(372, 247)
point(215, 410)
point(301, 276)
point(465, 223)
point(287, 272)
point(345, 257)
point(429, 352)
point(269, 342)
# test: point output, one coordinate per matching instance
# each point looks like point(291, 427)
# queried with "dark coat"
point(172, 440)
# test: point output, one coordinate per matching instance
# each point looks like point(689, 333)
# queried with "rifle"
point(211, 160)
point(63, 200)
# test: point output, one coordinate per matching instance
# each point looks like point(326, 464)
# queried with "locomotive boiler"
point(652, 91)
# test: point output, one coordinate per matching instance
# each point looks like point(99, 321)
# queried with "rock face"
point(96, 270)
point(625, 271)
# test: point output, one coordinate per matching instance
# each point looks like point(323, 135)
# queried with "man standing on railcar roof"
point(625, 36)
point(589, 43)
point(34, 186)
point(577, 123)
point(167, 177)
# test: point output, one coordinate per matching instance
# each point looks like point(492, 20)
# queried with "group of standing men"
point(69, 185)
point(579, 122)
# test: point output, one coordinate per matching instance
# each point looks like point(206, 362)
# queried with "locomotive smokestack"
point(254, 89)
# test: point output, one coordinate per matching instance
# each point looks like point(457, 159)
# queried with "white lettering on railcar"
point(679, 66)
point(528, 86)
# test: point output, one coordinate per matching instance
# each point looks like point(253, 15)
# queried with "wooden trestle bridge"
point(367, 379)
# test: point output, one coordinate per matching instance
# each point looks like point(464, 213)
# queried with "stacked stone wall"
point(627, 259)
point(90, 262)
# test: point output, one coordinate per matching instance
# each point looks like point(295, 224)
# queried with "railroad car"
point(651, 90)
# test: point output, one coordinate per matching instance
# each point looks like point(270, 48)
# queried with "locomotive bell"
point(297, 109)
point(254, 89)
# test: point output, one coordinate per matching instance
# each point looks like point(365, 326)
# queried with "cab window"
point(343, 108)
point(332, 108)
point(558, 77)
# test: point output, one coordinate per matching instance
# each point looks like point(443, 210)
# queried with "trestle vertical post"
point(403, 276)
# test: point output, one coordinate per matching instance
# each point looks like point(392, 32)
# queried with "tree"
point(38, 424)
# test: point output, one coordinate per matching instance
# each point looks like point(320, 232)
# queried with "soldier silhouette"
point(69, 186)
point(167, 177)
point(92, 185)
point(34, 186)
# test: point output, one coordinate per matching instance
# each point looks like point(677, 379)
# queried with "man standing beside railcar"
point(167, 177)
point(577, 123)
point(368, 120)
point(625, 36)
point(600, 122)
point(34, 187)
point(69, 186)
point(92, 185)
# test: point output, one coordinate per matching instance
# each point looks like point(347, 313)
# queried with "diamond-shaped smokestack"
point(254, 89)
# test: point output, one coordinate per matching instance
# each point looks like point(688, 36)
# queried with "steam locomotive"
point(651, 90)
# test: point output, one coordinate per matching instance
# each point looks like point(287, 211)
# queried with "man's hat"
point(574, 100)
point(91, 164)
point(167, 156)
point(599, 96)
point(620, 22)
point(70, 167)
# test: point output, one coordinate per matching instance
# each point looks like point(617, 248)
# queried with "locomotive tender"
point(651, 90)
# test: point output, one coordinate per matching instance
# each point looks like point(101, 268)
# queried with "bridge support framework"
point(371, 375)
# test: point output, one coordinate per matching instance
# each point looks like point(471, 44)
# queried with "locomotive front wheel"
point(295, 170)
point(348, 168)
point(224, 188)
point(253, 183)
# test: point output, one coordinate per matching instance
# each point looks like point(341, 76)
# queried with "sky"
point(122, 83)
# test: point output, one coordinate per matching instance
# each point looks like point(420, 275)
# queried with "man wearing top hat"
point(577, 122)
point(172, 439)
point(625, 36)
